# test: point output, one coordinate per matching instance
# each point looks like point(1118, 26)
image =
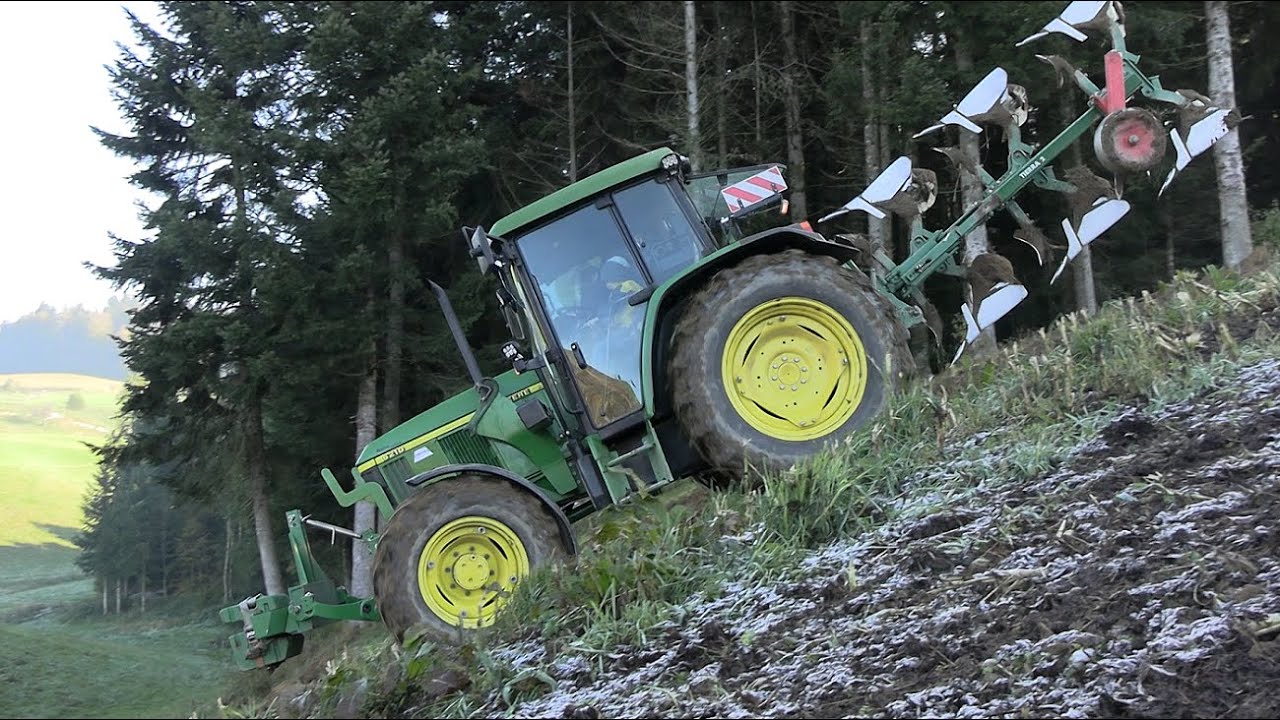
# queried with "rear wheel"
point(453, 552)
point(779, 356)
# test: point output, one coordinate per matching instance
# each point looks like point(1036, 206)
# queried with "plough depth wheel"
point(1130, 141)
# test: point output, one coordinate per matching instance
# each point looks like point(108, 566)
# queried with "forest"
point(310, 166)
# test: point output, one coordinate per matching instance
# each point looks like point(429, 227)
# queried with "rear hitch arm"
point(272, 627)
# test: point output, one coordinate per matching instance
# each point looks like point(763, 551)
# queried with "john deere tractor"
point(667, 325)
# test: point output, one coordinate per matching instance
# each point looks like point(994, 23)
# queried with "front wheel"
point(453, 552)
point(780, 355)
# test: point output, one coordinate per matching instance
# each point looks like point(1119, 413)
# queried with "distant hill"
point(69, 341)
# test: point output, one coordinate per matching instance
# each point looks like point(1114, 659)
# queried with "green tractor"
point(651, 341)
point(667, 325)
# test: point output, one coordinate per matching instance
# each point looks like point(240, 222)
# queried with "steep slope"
point(1081, 526)
point(1140, 579)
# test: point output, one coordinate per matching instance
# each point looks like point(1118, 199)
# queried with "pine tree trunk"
point(226, 564)
point(758, 81)
point(143, 588)
point(118, 593)
point(106, 590)
point(1166, 224)
point(876, 229)
point(791, 102)
point(722, 71)
point(573, 122)
point(164, 555)
point(691, 83)
point(1082, 267)
point(390, 413)
point(365, 512)
point(886, 147)
point(886, 158)
point(1237, 237)
point(975, 243)
point(256, 466)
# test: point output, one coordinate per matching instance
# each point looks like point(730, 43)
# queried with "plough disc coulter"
point(1127, 141)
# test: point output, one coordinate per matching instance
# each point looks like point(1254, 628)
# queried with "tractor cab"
point(578, 268)
point(590, 269)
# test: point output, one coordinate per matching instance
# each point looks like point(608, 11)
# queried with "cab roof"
point(606, 179)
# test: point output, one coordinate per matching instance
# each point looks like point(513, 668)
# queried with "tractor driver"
point(587, 305)
point(610, 333)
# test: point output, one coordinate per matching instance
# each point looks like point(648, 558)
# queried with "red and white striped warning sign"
point(762, 185)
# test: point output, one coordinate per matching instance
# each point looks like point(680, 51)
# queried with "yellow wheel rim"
point(468, 568)
point(794, 369)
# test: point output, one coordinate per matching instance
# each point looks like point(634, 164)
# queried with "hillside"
point(58, 656)
point(74, 340)
point(46, 419)
point(1138, 578)
point(1082, 526)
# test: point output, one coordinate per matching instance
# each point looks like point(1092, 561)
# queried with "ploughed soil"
point(1141, 578)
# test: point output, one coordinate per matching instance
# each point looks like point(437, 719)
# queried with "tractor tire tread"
point(690, 391)
point(396, 559)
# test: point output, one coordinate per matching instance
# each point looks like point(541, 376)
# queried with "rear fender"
point(447, 471)
point(663, 308)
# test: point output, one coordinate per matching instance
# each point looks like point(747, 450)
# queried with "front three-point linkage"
point(1128, 141)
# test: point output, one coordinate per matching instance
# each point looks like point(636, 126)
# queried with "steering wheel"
point(576, 316)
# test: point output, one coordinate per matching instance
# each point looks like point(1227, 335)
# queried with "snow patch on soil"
point(1128, 582)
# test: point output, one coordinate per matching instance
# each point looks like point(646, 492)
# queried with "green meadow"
point(59, 655)
point(47, 422)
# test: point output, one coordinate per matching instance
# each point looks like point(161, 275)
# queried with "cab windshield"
point(588, 263)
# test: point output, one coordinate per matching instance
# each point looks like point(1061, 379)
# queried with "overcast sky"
point(61, 192)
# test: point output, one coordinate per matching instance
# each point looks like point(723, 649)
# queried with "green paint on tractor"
point(647, 346)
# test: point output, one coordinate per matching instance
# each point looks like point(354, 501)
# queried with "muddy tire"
point(454, 550)
point(779, 356)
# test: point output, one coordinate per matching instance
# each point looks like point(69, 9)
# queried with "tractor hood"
point(452, 410)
